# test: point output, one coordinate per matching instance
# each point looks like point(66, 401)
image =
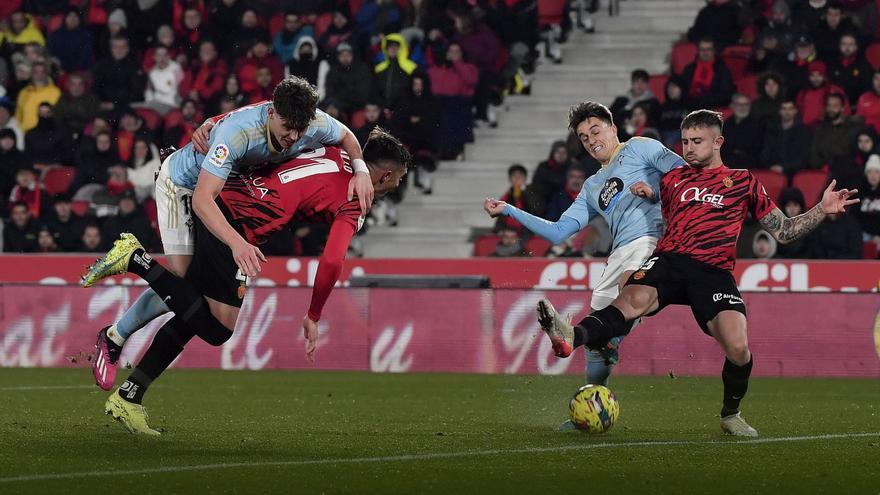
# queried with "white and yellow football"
point(593, 409)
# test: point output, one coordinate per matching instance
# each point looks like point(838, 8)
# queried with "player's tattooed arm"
point(785, 229)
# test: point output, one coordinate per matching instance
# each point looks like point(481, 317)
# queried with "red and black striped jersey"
point(312, 187)
point(704, 210)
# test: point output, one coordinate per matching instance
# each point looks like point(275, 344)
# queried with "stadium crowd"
point(798, 82)
point(91, 90)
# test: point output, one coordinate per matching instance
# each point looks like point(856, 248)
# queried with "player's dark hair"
point(295, 100)
point(386, 151)
point(703, 118)
point(639, 75)
point(586, 109)
point(516, 167)
point(835, 94)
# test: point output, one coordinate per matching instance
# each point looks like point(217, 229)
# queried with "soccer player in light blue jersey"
point(636, 222)
point(190, 179)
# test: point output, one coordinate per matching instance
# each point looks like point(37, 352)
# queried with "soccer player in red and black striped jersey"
point(704, 205)
point(314, 187)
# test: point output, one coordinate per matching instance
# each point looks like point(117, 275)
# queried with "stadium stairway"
point(595, 66)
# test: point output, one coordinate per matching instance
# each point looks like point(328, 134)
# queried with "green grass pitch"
point(285, 432)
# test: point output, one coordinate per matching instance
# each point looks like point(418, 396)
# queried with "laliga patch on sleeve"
point(218, 155)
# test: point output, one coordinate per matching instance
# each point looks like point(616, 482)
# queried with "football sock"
point(736, 384)
point(599, 327)
point(145, 309)
point(167, 345)
point(598, 370)
point(181, 297)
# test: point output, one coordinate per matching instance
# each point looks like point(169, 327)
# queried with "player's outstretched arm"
point(786, 230)
point(555, 232)
point(208, 187)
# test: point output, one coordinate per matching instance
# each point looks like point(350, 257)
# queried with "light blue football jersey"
point(607, 191)
point(242, 138)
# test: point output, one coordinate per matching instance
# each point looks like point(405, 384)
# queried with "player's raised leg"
point(729, 330)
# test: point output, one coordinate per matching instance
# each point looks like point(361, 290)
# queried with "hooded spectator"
point(763, 246)
point(849, 169)
point(142, 167)
point(791, 202)
point(305, 62)
point(22, 30)
point(40, 90)
point(868, 210)
point(393, 73)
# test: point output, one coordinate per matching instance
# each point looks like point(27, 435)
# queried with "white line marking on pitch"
point(421, 457)
point(46, 387)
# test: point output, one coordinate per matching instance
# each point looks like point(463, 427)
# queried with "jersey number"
point(318, 166)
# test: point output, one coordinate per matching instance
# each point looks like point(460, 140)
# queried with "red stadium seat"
point(354, 6)
point(679, 149)
point(725, 112)
point(550, 12)
point(358, 119)
point(79, 207)
point(773, 182)
point(152, 119)
point(747, 85)
point(322, 23)
point(54, 23)
point(873, 55)
point(811, 183)
point(173, 118)
point(276, 24)
point(58, 179)
point(485, 244)
point(683, 53)
point(657, 83)
point(869, 250)
point(736, 57)
point(538, 247)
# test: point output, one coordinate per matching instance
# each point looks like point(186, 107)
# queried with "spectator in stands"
point(849, 169)
point(638, 92)
point(245, 35)
point(792, 202)
point(163, 82)
point(454, 81)
point(48, 144)
point(373, 116)
point(839, 237)
point(30, 191)
point(307, 64)
point(811, 101)
point(259, 55)
point(232, 95)
point(672, 112)
point(91, 239)
point(8, 121)
point(393, 73)
point(850, 70)
point(22, 30)
point(827, 36)
point(130, 125)
point(265, 86)
point(117, 25)
point(808, 15)
point(763, 246)
point(719, 21)
point(287, 40)
point(206, 76)
point(834, 135)
point(639, 123)
point(780, 26)
point(95, 160)
point(165, 38)
point(516, 195)
point(376, 17)
point(72, 44)
point(742, 135)
point(771, 94)
point(21, 230)
point(46, 242)
point(483, 48)
point(550, 176)
point(225, 15)
point(130, 218)
point(786, 142)
point(415, 123)
point(796, 72)
point(575, 177)
point(868, 106)
point(181, 133)
point(767, 54)
point(119, 79)
point(510, 244)
point(707, 80)
point(863, 14)
point(349, 81)
point(65, 225)
point(339, 31)
point(192, 31)
point(77, 106)
point(143, 165)
point(11, 160)
point(40, 90)
point(868, 211)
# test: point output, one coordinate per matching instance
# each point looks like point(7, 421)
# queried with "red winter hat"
point(818, 66)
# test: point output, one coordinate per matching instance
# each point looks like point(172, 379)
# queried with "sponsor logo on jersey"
point(729, 297)
point(639, 275)
point(728, 182)
point(703, 196)
point(218, 156)
point(610, 192)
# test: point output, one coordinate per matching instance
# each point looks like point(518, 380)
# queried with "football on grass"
point(593, 409)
